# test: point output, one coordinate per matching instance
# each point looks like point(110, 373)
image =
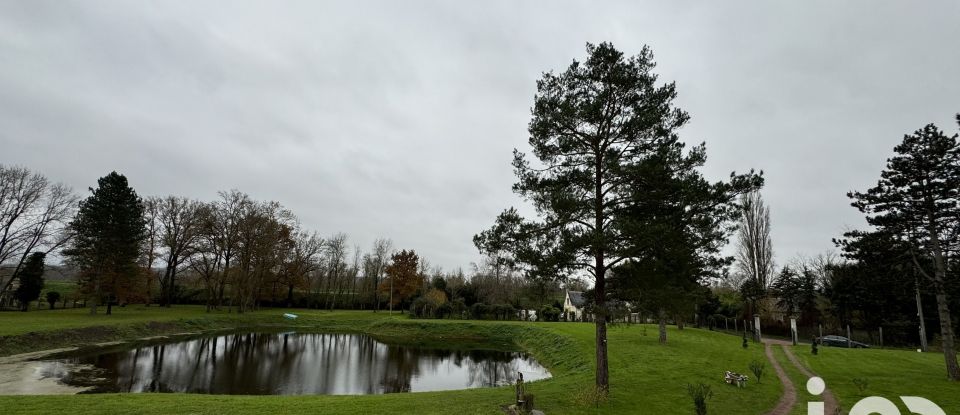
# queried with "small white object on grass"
point(290, 316)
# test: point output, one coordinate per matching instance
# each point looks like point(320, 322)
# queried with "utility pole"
point(923, 325)
point(391, 295)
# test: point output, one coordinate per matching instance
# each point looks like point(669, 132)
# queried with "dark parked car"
point(840, 341)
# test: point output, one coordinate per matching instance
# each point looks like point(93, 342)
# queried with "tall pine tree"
point(108, 233)
point(918, 199)
point(674, 230)
point(592, 126)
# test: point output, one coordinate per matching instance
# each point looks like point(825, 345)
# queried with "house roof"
point(576, 298)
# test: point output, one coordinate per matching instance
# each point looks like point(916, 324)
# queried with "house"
point(573, 305)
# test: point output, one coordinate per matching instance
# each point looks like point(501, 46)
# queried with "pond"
point(290, 364)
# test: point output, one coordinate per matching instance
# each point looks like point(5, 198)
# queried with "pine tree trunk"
point(662, 326)
point(947, 336)
point(603, 371)
point(946, 325)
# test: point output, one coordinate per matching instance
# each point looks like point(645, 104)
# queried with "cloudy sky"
point(397, 118)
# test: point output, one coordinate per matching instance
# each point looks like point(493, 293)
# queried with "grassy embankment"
point(645, 376)
point(889, 373)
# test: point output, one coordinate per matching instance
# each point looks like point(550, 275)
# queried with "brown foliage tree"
point(403, 277)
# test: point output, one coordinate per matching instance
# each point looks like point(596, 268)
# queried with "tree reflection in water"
point(301, 364)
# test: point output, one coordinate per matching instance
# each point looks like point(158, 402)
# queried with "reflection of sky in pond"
point(301, 363)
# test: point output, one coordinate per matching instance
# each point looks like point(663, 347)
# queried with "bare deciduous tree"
point(354, 274)
point(151, 213)
point(336, 252)
point(207, 258)
point(302, 260)
point(264, 235)
point(227, 214)
point(181, 226)
point(379, 258)
point(820, 265)
point(33, 217)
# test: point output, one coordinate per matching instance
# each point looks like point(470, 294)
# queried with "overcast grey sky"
point(397, 118)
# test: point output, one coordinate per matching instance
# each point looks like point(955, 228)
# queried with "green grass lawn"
point(889, 373)
point(14, 322)
point(645, 377)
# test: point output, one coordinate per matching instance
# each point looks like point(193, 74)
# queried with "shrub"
point(757, 367)
point(432, 304)
point(548, 313)
point(458, 307)
point(418, 308)
point(479, 310)
point(52, 298)
point(700, 393)
point(443, 310)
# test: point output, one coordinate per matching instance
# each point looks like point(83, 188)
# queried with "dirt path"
point(829, 401)
point(789, 397)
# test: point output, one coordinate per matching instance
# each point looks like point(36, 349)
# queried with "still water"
point(292, 364)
